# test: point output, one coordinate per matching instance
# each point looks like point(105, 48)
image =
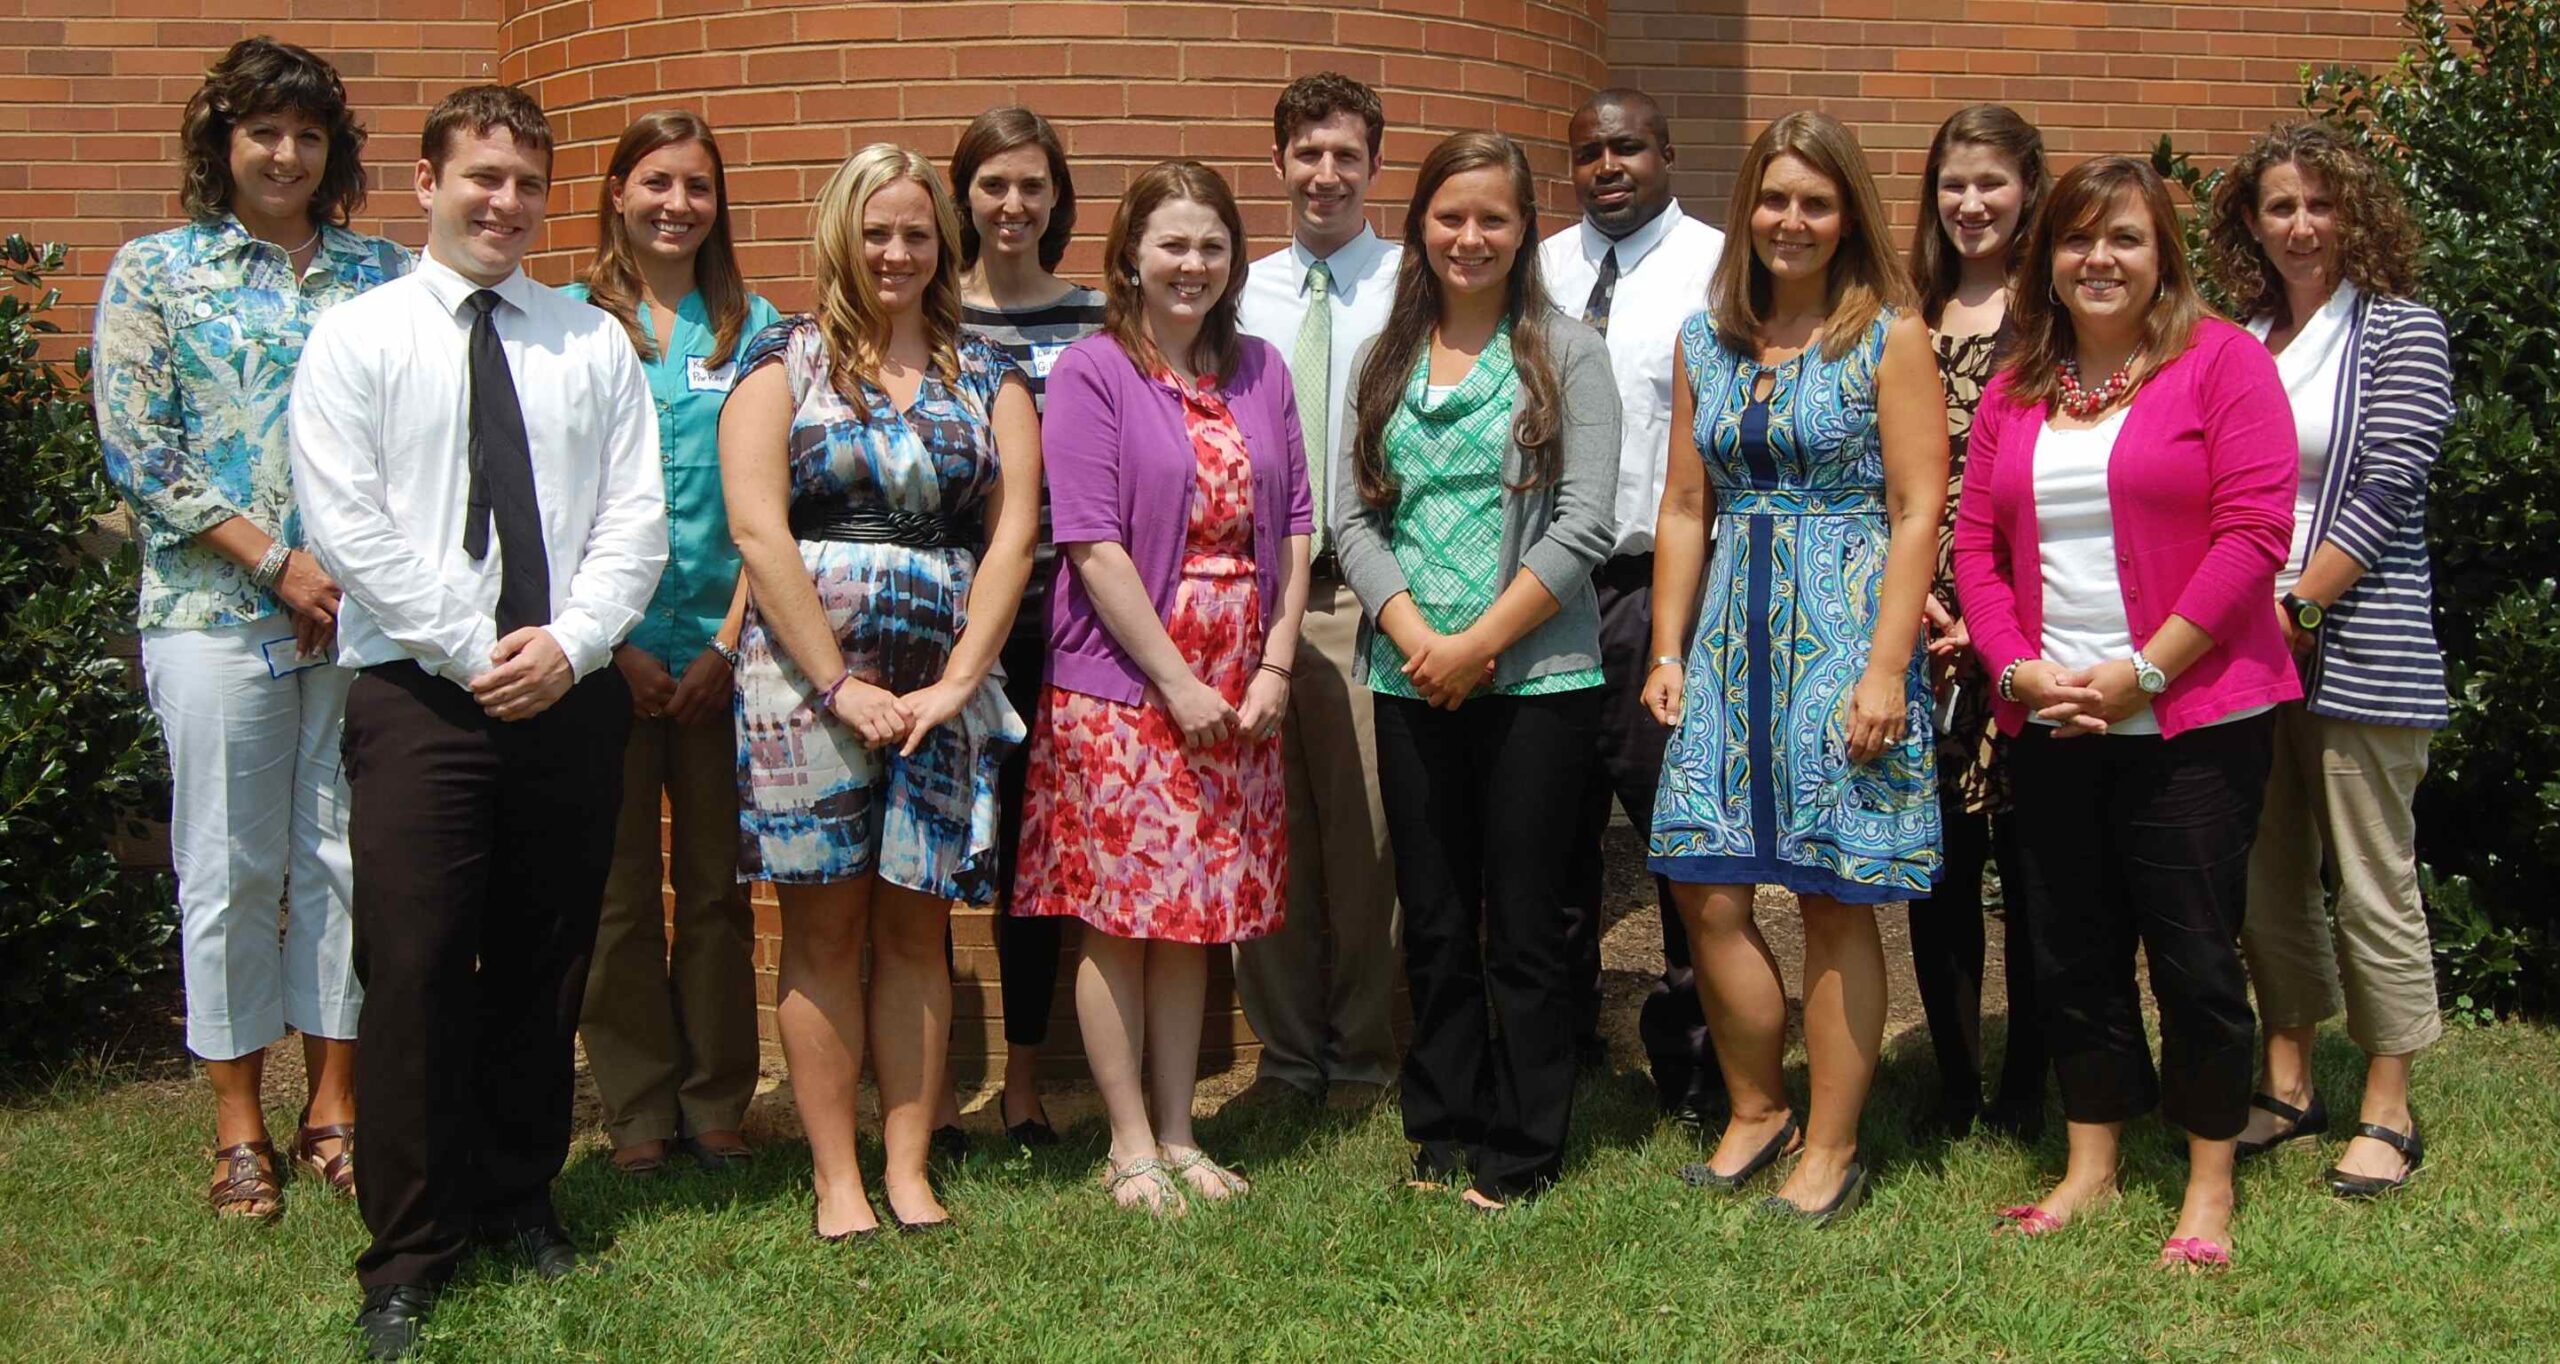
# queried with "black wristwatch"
point(2307, 614)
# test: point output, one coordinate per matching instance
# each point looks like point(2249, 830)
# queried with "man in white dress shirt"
point(1635, 267)
point(476, 458)
point(1319, 992)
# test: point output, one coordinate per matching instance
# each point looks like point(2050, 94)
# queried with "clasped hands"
point(527, 673)
point(881, 717)
point(702, 694)
point(1447, 669)
point(2079, 700)
point(1201, 711)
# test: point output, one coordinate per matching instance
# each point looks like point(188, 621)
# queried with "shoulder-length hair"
point(613, 278)
point(1215, 350)
point(2377, 241)
point(1536, 423)
point(263, 76)
point(1865, 276)
point(2082, 200)
point(850, 319)
point(1935, 265)
point(991, 135)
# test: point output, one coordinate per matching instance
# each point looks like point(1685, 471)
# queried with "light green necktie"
point(1311, 374)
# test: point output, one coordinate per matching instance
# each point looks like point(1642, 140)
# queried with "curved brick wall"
point(793, 89)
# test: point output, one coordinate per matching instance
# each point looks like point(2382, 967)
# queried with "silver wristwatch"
point(2147, 675)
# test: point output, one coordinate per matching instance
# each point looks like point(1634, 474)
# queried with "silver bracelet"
point(271, 568)
point(1667, 661)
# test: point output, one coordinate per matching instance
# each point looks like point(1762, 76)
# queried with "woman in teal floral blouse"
point(197, 334)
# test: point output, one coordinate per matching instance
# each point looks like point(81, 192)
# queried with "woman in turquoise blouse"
point(199, 331)
point(671, 1032)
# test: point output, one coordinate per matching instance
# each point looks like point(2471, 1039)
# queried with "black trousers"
point(1672, 1025)
point(1947, 948)
point(1026, 949)
point(2138, 840)
point(480, 849)
point(1473, 800)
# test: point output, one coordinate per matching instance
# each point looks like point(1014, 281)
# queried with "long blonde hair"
point(1865, 275)
point(850, 318)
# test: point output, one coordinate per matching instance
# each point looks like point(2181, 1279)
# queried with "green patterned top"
point(1446, 457)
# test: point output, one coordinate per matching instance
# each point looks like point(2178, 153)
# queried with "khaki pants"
point(2338, 835)
point(671, 1035)
point(1320, 992)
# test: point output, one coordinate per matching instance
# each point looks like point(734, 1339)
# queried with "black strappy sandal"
point(2312, 1121)
point(2413, 1152)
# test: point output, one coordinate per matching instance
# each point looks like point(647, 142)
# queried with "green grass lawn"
point(105, 1252)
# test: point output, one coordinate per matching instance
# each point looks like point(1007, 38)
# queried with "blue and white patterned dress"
point(815, 803)
point(1757, 787)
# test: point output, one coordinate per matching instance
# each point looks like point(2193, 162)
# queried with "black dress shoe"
point(1701, 1175)
point(549, 1251)
point(391, 1318)
point(949, 1143)
point(1853, 1191)
point(2413, 1153)
point(1031, 1131)
point(2302, 1123)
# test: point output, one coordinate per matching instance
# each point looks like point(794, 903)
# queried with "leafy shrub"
point(2468, 124)
point(81, 938)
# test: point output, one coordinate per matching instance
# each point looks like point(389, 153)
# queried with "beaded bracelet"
point(2009, 680)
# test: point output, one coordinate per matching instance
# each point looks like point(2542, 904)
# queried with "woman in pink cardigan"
point(2116, 547)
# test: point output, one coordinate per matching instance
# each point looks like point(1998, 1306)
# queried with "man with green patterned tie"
point(1319, 992)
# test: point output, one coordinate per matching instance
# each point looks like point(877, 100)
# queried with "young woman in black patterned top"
point(1985, 178)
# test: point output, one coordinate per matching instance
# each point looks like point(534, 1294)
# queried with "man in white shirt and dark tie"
point(1635, 267)
point(1319, 992)
point(476, 458)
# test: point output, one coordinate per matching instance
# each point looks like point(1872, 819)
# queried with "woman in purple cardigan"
point(2116, 548)
point(1156, 810)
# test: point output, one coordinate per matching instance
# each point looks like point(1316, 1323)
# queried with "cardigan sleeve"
point(2407, 404)
point(1985, 560)
point(1080, 448)
point(2252, 463)
point(1275, 372)
point(1585, 526)
point(1360, 530)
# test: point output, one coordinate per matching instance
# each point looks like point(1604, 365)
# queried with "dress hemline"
point(1761, 871)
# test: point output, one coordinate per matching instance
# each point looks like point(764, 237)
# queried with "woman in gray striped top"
point(2314, 241)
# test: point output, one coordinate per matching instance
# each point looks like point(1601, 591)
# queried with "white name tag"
point(702, 378)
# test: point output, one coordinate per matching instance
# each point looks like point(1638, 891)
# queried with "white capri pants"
point(255, 793)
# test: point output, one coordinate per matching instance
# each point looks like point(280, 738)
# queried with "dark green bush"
point(2468, 123)
point(81, 938)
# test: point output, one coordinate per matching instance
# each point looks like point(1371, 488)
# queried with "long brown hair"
point(850, 319)
point(613, 278)
point(1935, 265)
point(1536, 424)
point(1865, 276)
point(1215, 350)
point(2377, 242)
point(2082, 199)
point(992, 134)
point(263, 76)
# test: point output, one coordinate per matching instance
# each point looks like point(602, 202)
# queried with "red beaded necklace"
point(2078, 401)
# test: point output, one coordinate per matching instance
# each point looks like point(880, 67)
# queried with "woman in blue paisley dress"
point(867, 452)
point(1801, 755)
point(199, 331)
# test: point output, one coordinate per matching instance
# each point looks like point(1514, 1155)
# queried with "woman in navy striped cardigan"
point(2313, 242)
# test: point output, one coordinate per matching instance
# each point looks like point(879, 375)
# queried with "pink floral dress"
point(1123, 827)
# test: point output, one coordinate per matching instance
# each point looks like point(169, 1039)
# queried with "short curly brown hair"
point(262, 76)
point(2377, 241)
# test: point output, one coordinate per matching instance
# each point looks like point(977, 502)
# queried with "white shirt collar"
point(1349, 262)
point(1633, 247)
point(450, 290)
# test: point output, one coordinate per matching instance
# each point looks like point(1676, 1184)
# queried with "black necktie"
point(502, 481)
point(1595, 310)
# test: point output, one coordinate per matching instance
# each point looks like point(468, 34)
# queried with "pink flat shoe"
point(2194, 1253)
point(2026, 1219)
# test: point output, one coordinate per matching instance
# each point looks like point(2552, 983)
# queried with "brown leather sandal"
point(338, 1172)
point(245, 1182)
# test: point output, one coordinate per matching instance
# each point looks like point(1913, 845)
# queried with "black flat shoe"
point(2303, 1122)
point(1853, 1191)
point(1700, 1175)
point(391, 1318)
point(1032, 1131)
point(863, 1234)
point(2413, 1152)
point(907, 1228)
point(948, 1143)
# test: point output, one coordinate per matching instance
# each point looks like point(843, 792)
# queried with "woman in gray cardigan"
point(1469, 511)
point(2311, 238)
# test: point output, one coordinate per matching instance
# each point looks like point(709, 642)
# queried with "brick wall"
point(2097, 78)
